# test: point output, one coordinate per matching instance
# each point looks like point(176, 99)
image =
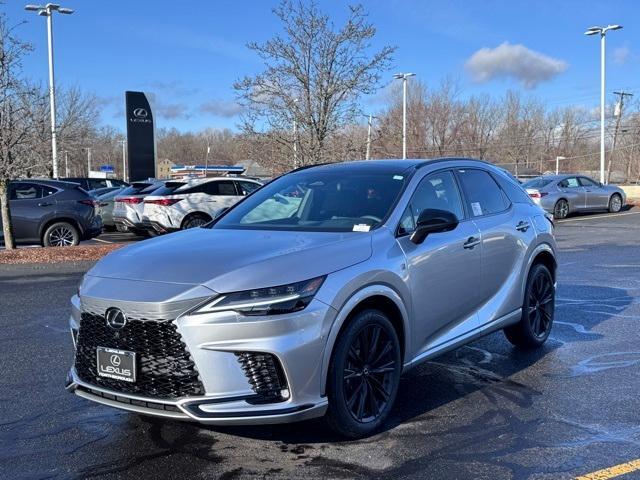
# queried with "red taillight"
point(538, 194)
point(130, 200)
point(165, 202)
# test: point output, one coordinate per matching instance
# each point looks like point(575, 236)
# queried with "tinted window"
point(327, 201)
point(168, 188)
point(151, 188)
point(439, 191)
point(587, 182)
point(134, 189)
point(514, 191)
point(537, 183)
point(46, 190)
point(571, 182)
point(97, 183)
point(247, 187)
point(225, 187)
point(482, 194)
point(25, 191)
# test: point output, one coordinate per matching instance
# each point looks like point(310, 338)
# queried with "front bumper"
point(214, 342)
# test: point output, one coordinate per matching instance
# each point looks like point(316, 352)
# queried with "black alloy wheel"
point(538, 308)
point(364, 375)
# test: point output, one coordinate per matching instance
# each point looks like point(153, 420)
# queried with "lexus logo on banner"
point(141, 143)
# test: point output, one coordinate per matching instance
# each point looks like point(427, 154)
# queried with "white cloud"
point(621, 55)
point(221, 108)
point(513, 61)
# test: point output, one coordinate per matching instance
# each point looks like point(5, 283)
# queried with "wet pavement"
point(485, 410)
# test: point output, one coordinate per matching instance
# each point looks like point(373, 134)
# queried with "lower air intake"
point(265, 375)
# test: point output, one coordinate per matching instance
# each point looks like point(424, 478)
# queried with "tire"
point(61, 234)
point(536, 322)
point(615, 203)
point(362, 384)
point(195, 220)
point(561, 209)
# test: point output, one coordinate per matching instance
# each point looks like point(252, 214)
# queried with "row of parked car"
point(67, 211)
point(64, 212)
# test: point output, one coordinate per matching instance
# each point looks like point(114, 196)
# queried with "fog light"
point(284, 393)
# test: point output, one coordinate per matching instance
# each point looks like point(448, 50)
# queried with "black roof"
point(387, 166)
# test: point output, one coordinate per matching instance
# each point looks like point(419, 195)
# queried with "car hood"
point(234, 260)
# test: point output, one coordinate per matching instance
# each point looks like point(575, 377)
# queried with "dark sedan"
point(52, 213)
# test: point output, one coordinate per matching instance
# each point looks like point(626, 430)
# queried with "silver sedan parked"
point(290, 307)
point(570, 193)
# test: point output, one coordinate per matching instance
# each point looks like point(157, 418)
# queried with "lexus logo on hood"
point(116, 318)
point(140, 113)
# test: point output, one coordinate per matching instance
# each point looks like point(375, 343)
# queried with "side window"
point(246, 188)
point(513, 190)
point(46, 191)
point(587, 182)
point(571, 182)
point(202, 188)
point(97, 183)
point(224, 187)
point(25, 191)
point(438, 191)
point(482, 194)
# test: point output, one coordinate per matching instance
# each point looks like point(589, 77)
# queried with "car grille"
point(164, 367)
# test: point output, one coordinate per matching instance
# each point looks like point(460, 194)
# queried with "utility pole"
point(368, 154)
point(66, 163)
point(558, 164)
point(124, 160)
point(621, 94)
point(403, 77)
point(206, 159)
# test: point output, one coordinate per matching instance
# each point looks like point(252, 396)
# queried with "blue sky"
point(189, 53)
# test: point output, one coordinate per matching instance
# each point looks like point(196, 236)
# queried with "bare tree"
point(314, 75)
point(17, 99)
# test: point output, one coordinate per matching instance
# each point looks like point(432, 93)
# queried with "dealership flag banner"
point(141, 144)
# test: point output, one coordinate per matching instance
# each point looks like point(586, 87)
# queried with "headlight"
point(266, 301)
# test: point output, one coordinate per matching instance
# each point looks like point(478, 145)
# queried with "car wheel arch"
point(544, 254)
point(380, 297)
point(46, 224)
point(190, 215)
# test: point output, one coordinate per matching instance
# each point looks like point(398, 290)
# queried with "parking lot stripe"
point(597, 217)
point(100, 240)
point(612, 472)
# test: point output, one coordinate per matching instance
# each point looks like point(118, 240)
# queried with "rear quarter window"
point(514, 191)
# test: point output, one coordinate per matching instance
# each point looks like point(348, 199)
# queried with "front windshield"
point(316, 200)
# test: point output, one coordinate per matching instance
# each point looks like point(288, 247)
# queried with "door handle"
point(45, 204)
point(522, 226)
point(471, 242)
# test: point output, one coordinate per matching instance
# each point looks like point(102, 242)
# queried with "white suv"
point(195, 203)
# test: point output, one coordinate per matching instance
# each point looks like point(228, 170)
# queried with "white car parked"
point(195, 203)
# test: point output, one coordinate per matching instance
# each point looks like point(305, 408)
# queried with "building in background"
point(180, 171)
point(163, 168)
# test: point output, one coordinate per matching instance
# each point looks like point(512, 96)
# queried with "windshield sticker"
point(361, 227)
point(477, 209)
point(398, 177)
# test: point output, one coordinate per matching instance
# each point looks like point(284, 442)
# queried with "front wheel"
point(615, 203)
point(196, 220)
point(363, 375)
point(534, 326)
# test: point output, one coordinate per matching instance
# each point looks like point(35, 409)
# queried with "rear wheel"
point(615, 203)
point(196, 220)
point(60, 234)
point(561, 210)
point(363, 375)
point(534, 327)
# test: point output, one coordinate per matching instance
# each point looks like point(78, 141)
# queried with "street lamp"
point(602, 31)
point(47, 11)
point(403, 77)
point(558, 164)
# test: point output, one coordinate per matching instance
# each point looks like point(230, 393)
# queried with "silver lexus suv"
point(312, 296)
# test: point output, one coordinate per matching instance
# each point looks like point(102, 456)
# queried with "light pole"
point(602, 31)
point(295, 133)
point(403, 77)
point(368, 154)
point(47, 11)
point(88, 161)
point(558, 164)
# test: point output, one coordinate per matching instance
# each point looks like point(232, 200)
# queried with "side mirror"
point(432, 220)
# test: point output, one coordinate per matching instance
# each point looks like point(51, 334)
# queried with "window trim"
point(508, 208)
point(22, 182)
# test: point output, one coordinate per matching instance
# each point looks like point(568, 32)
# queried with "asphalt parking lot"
point(484, 411)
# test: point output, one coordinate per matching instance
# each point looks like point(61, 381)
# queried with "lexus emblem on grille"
point(116, 318)
point(115, 360)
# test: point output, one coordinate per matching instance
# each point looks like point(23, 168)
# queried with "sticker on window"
point(361, 227)
point(398, 177)
point(477, 209)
